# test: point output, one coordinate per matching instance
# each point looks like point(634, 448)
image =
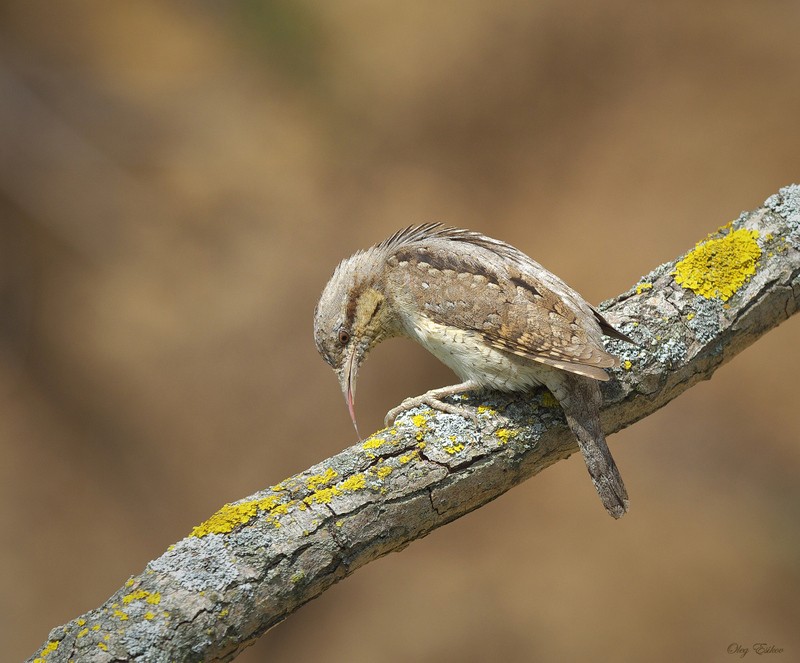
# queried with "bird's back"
point(486, 290)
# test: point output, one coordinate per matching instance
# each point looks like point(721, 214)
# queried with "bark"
point(256, 561)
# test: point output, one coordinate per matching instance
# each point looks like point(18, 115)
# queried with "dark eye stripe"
point(377, 308)
point(352, 304)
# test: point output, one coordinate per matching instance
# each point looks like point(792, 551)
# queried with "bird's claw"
point(433, 403)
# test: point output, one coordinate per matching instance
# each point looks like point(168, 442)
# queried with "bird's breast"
point(470, 357)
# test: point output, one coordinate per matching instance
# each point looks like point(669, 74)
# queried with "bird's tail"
point(580, 398)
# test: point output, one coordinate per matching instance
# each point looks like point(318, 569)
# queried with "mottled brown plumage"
point(489, 312)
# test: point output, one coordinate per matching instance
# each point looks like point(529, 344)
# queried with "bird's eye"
point(343, 337)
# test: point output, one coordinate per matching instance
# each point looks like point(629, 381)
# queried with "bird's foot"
point(433, 399)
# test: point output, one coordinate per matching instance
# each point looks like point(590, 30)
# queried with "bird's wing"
point(517, 306)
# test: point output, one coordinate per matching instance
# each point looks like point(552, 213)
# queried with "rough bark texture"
point(258, 560)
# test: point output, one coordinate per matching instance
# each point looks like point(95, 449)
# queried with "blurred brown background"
point(177, 182)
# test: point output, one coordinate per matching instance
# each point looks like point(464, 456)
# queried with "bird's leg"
point(433, 399)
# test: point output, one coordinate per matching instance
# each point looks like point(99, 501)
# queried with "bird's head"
point(351, 318)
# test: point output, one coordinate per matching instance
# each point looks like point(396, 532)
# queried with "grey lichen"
point(786, 204)
point(143, 636)
point(705, 320)
point(198, 564)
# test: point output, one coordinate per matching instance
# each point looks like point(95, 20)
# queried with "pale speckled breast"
point(471, 358)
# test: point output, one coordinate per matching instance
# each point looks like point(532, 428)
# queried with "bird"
point(497, 318)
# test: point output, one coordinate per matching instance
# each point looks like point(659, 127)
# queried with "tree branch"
point(258, 560)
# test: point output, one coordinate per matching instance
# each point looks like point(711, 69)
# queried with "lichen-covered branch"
point(258, 560)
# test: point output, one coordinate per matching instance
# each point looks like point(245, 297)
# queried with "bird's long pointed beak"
point(348, 381)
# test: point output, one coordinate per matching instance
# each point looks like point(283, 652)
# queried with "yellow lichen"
point(419, 420)
point(83, 632)
point(383, 471)
point(355, 482)
point(318, 480)
point(149, 615)
point(129, 583)
point(627, 364)
point(81, 621)
point(232, 515)
point(224, 520)
point(135, 596)
point(96, 627)
point(325, 495)
point(322, 496)
point(279, 510)
point(642, 287)
point(718, 267)
point(49, 648)
point(282, 486)
point(103, 646)
point(223, 612)
point(690, 316)
point(153, 598)
point(485, 409)
point(373, 443)
point(505, 434)
point(454, 448)
point(407, 458)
